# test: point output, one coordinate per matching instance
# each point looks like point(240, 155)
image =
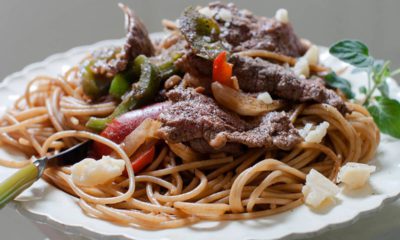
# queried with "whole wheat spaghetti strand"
point(181, 187)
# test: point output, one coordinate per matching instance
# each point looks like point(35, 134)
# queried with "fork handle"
point(17, 183)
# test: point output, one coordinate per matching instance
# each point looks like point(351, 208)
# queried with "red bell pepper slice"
point(143, 159)
point(222, 70)
point(123, 125)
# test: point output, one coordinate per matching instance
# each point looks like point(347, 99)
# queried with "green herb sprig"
point(384, 110)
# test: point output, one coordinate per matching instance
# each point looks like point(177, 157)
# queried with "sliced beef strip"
point(274, 36)
point(246, 31)
point(108, 61)
point(274, 130)
point(137, 42)
point(196, 117)
point(242, 26)
point(257, 75)
point(195, 65)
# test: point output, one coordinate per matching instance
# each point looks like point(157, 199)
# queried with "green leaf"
point(395, 72)
point(380, 70)
point(386, 114)
point(363, 90)
point(384, 89)
point(335, 81)
point(353, 52)
point(359, 70)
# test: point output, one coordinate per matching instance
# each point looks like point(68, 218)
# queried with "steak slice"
point(110, 62)
point(257, 75)
point(274, 130)
point(246, 31)
point(195, 118)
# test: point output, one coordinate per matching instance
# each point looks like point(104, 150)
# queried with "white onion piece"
point(147, 129)
point(240, 102)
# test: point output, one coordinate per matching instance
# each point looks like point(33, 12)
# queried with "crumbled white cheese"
point(225, 15)
point(316, 135)
point(302, 67)
point(304, 131)
point(265, 97)
point(355, 175)
point(206, 11)
point(74, 121)
point(312, 55)
point(90, 172)
point(318, 189)
point(282, 15)
point(220, 14)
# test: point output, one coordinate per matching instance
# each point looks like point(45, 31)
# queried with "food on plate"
point(318, 189)
point(355, 175)
point(228, 116)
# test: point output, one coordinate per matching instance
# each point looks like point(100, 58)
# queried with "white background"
point(32, 30)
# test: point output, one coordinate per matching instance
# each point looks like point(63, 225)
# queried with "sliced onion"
point(147, 129)
point(184, 152)
point(240, 102)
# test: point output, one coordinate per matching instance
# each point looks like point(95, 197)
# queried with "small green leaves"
point(380, 70)
point(384, 110)
point(351, 51)
point(386, 114)
point(335, 81)
point(363, 90)
point(384, 89)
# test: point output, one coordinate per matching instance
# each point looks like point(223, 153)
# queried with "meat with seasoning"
point(137, 42)
point(243, 30)
point(258, 75)
point(196, 117)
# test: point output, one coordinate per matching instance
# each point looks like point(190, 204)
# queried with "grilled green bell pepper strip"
point(142, 92)
point(202, 34)
point(167, 69)
point(93, 85)
point(121, 84)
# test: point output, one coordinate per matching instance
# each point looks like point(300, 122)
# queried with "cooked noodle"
point(257, 183)
point(181, 187)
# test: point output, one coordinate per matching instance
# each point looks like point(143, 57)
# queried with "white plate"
point(44, 203)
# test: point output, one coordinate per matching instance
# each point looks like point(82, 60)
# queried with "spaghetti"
point(181, 187)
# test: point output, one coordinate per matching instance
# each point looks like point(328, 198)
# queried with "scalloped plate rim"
point(92, 233)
